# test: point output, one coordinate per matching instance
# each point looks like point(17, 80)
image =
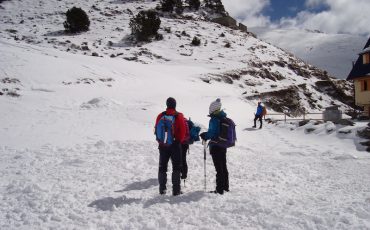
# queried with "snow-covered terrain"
point(334, 53)
point(77, 149)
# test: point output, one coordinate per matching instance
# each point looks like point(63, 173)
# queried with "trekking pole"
point(205, 172)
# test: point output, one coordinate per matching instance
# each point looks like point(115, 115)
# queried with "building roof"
point(359, 69)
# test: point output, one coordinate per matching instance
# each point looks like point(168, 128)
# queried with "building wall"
point(362, 97)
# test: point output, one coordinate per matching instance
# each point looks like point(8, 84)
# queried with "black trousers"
point(258, 117)
point(222, 174)
point(184, 169)
point(172, 152)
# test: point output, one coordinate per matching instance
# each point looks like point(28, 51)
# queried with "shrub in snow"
point(194, 4)
point(167, 5)
point(158, 37)
point(77, 20)
point(216, 6)
point(170, 5)
point(179, 7)
point(145, 25)
point(196, 41)
point(183, 33)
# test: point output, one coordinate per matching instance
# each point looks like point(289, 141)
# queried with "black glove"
point(203, 136)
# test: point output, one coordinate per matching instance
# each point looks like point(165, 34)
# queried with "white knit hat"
point(214, 106)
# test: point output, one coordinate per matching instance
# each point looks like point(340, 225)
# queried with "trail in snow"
point(113, 185)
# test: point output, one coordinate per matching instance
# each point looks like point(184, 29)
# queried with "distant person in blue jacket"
point(218, 153)
point(258, 115)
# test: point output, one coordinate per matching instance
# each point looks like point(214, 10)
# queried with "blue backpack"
point(165, 129)
point(192, 132)
point(227, 136)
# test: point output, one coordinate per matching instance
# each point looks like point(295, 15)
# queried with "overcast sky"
point(330, 16)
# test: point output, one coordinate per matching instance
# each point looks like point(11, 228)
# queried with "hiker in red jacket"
point(170, 133)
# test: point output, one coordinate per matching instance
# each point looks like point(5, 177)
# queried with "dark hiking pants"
point(258, 117)
point(184, 169)
point(222, 175)
point(172, 152)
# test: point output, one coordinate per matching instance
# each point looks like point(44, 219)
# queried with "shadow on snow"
point(140, 185)
point(185, 198)
point(108, 203)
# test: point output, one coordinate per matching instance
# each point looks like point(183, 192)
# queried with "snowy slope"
point(259, 67)
point(334, 53)
point(77, 149)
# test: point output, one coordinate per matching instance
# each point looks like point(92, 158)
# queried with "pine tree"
point(145, 25)
point(77, 20)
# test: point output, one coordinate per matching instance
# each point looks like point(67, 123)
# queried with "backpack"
point(192, 132)
point(165, 129)
point(227, 136)
point(264, 111)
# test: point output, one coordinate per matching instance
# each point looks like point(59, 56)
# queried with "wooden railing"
point(285, 116)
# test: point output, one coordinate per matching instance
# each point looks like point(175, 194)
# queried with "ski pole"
point(205, 172)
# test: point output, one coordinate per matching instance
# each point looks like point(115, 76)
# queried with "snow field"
point(78, 152)
point(113, 186)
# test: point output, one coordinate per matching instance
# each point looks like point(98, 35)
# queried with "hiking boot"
point(177, 193)
point(260, 127)
point(162, 192)
point(253, 126)
point(217, 192)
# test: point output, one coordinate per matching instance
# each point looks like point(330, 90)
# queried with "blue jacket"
point(214, 125)
point(259, 110)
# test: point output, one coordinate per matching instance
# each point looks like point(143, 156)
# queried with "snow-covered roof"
point(366, 50)
point(359, 69)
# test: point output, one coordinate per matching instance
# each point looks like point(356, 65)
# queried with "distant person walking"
point(170, 133)
point(258, 115)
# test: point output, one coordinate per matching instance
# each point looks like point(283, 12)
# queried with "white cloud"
point(248, 11)
point(340, 16)
point(314, 3)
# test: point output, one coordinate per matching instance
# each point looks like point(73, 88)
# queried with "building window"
point(365, 85)
point(366, 58)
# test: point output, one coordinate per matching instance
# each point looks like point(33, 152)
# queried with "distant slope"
point(254, 69)
point(331, 52)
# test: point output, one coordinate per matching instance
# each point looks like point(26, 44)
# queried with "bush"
point(170, 5)
point(194, 4)
point(145, 25)
point(179, 7)
point(167, 5)
point(216, 5)
point(77, 20)
point(196, 41)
